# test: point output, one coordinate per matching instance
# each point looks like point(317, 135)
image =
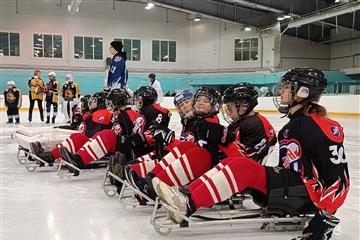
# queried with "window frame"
point(43, 47)
point(129, 58)
point(249, 49)
point(168, 50)
point(83, 37)
point(9, 44)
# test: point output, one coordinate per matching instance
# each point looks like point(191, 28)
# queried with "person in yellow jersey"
point(36, 93)
point(52, 90)
point(71, 94)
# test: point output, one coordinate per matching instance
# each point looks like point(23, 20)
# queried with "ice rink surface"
point(41, 206)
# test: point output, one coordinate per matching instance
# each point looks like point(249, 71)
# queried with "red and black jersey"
point(123, 122)
point(254, 135)
point(155, 112)
point(313, 147)
point(96, 122)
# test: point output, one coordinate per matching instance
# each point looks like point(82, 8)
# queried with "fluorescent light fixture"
point(197, 19)
point(247, 28)
point(149, 5)
point(74, 6)
point(280, 18)
point(287, 16)
point(336, 1)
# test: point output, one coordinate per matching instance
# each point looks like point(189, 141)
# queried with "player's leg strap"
point(287, 193)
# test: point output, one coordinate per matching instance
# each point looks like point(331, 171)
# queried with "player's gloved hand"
point(212, 132)
point(133, 141)
point(321, 226)
point(162, 133)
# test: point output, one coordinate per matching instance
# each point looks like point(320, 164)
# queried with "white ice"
point(40, 206)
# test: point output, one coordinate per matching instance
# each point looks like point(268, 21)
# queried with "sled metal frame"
point(22, 158)
point(61, 173)
point(35, 162)
point(127, 193)
point(163, 225)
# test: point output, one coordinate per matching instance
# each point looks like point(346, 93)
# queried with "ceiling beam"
point(322, 15)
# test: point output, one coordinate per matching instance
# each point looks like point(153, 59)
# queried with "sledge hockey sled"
point(127, 194)
point(24, 135)
point(67, 169)
point(270, 220)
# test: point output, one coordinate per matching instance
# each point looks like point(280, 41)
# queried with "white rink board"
point(338, 104)
point(40, 206)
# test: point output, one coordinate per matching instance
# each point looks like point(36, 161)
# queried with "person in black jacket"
point(12, 102)
point(312, 164)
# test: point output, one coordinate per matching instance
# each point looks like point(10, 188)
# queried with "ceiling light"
point(287, 16)
point(149, 5)
point(280, 18)
point(197, 19)
point(247, 28)
point(74, 6)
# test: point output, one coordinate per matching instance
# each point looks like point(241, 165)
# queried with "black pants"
point(286, 192)
point(13, 113)
point(39, 103)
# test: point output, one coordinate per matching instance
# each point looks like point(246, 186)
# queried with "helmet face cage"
point(84, 103)
point(243, 102)
point(93, 103)
point(138, 102)
point(277, 99)
point(110, 105)
point(213, 96)
point(181, 102)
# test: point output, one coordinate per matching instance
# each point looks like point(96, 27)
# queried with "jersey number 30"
point(338, 154)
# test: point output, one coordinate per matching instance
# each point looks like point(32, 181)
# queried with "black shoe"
point(40, 152)
point(9, 122)
point(117, 165)
point(42, 118)
point(47, 120)
point(36, 149)
point(53, 120)
point(17, 121)
point(73, 159)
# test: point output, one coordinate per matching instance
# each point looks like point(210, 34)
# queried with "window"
point(163, 51)
point(246, 49)
point(9, 44)
point(47, 46)
point(88, 48)
point(131, 47)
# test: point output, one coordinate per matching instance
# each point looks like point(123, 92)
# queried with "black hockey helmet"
point(243, 95)
point(146, 94)
point(306, 83)
point(84, 102)
point(213, 95)
point(97, 101)
point(117, 98)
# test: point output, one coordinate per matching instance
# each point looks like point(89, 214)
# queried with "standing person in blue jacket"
point(118, 74)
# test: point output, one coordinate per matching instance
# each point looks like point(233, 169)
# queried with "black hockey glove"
point(211, 132)
point(162, 133)
point(133, 141)
point(320, 227)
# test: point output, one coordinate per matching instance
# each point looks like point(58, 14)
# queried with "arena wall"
point(343, 105)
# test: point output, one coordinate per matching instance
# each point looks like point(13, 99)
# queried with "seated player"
point(80, 113)
point(107, 141)
point(183, 103)
point(207, 102)
point(127, 133)
point(98, 119)
point(312, 173)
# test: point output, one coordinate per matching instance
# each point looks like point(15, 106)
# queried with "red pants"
point(231, 176)
point(147, 164)
point(89, 149)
